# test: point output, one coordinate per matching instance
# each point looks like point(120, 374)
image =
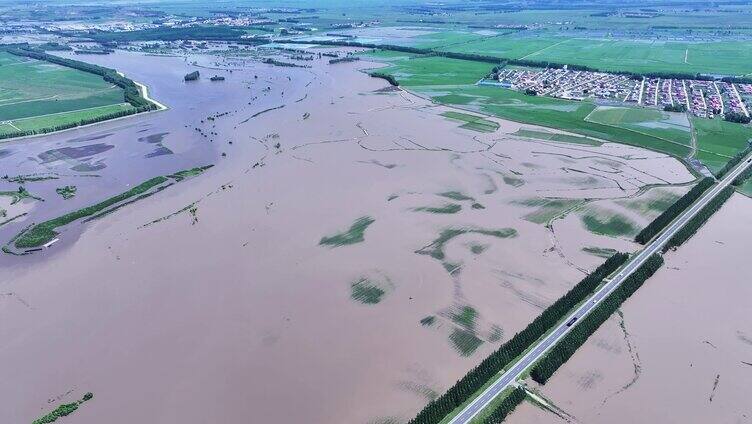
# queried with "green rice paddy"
point(727, 57)
point(35, 94)
point(718, 141)
point(60, 118)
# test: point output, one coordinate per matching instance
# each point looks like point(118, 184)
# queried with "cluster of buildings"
point(701, 98)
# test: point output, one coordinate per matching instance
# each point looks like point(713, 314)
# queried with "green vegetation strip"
point(568, 345)
point(389, 78)
point(697, 221)
point(503, 408)
point(355, 234)
point(734, 161)
point(743, 177)
point(20, 194)
point(444, 209)
point(44, 232)
point(63, 410)
point(472, 122)
point(468, 385)
point(66, 192)
point(673, 211)
point(131, 93)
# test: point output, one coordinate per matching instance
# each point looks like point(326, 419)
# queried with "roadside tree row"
point(465, 387)
point(576, 337)
point(673, 211)
point(697, 221)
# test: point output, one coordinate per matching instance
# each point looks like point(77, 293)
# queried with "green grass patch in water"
point(436, 248)
point(448, 208)
point(608, 223)
point(355, 234)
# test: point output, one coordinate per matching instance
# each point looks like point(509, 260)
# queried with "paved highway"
point(513, 373)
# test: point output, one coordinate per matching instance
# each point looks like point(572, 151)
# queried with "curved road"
point(538, 350)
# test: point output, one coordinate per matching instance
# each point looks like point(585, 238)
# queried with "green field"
point(671, 127)
point(452, 82)
point(36, 94)
point(52, 120)
point(718, 141)
point(727, 57)
point(434, 70)
point(564, 138)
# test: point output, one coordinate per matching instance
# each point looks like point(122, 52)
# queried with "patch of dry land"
point(680, 351)
point(352, 255)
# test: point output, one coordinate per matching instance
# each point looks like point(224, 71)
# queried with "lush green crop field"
point(746, 188)
point(718, 141)
point(36, 94)
point(433, 70)
point(727, 57)
point(55, 119)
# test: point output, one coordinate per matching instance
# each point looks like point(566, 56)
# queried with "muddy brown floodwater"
point(681, 348)
point(350, 257)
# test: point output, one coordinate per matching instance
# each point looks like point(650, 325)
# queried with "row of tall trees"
point(743, 177)
point(505, 407)
point(577, 336)
point(734, 161)
point(660, 222)
point(389, 78)
point(465, 387)
point(68, 125)
point(678, 107)
point(737, 80)
point(737, 117)
point(697, 221)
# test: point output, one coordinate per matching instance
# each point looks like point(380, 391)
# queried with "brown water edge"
point(679, 353)
point(234, 312)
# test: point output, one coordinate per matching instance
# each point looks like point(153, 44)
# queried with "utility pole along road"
point(539, 349)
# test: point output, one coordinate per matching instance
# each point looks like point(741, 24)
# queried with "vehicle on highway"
point(571, 321)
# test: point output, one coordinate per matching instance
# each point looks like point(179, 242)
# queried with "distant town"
point(702, 98)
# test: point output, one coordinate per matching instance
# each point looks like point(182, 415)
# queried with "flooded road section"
point(681, 347)
point(351, 255)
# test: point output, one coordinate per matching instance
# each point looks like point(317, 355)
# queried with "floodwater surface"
point(351, 254)
point(680, 348)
